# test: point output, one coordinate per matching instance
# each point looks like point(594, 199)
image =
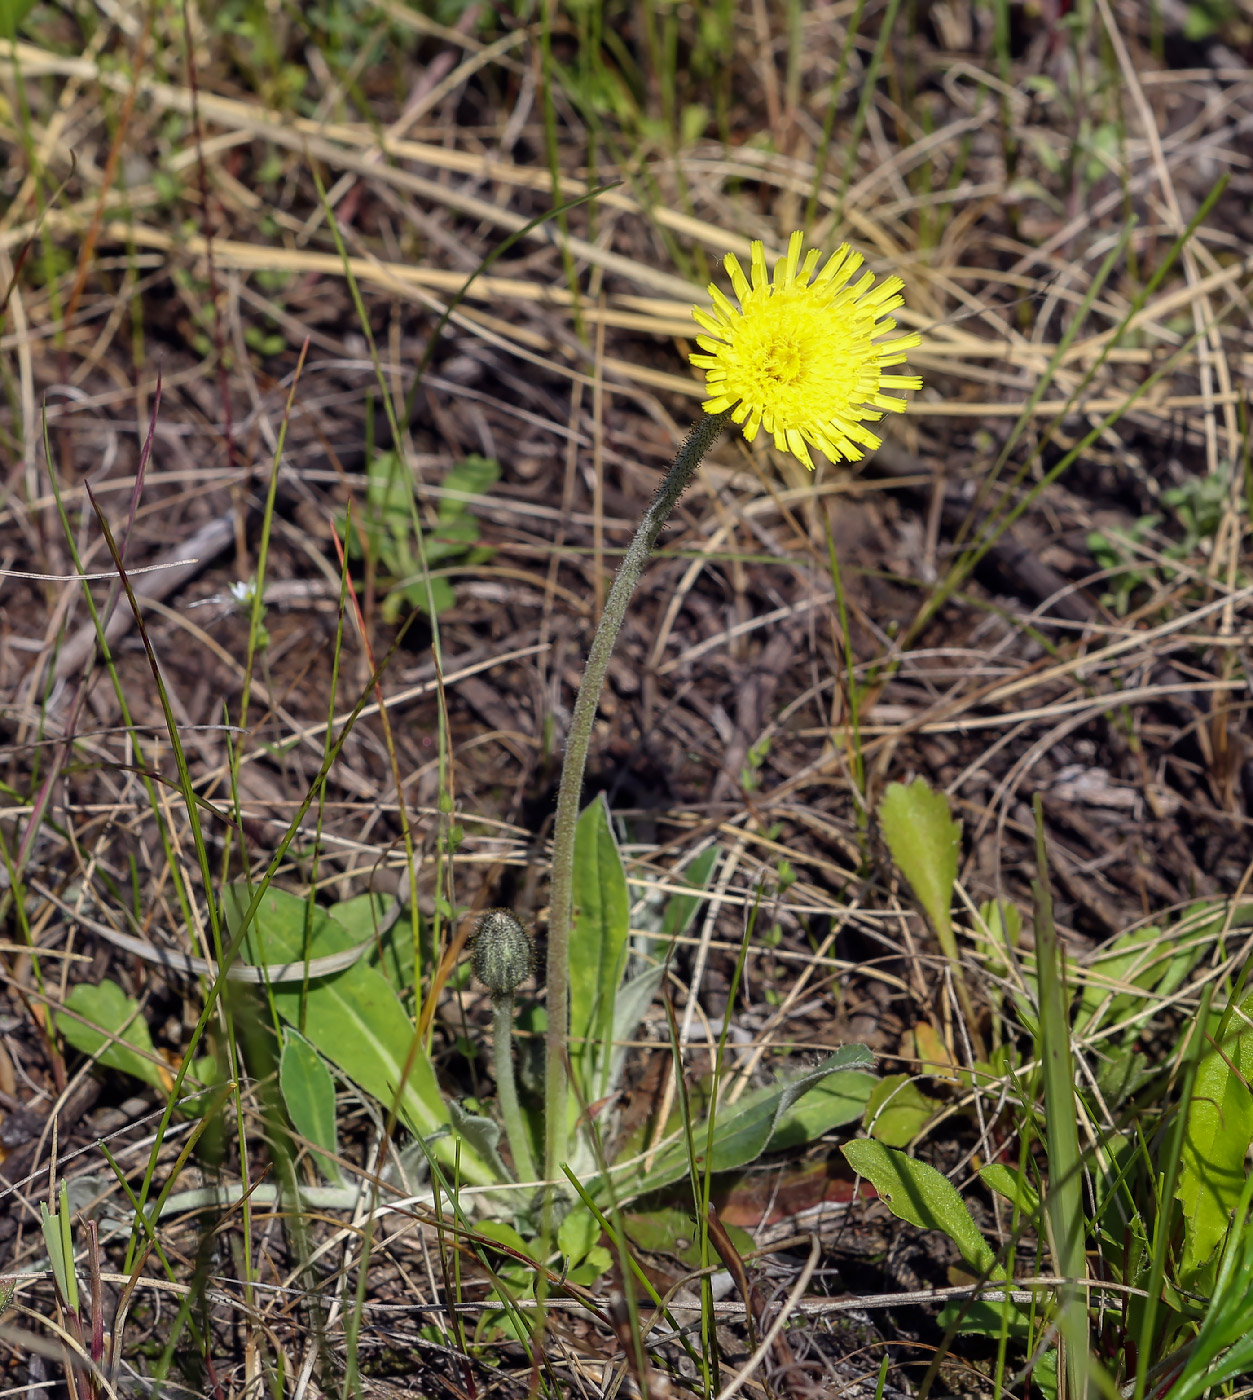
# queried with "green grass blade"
point(1064, 1202)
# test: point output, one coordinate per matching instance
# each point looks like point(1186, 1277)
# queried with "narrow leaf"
point(12, 13)
point(630, 1006)
point(681, 908)
point(309, 1094)
point(598, 946)
point(1064, 1214)
point(742, 1131)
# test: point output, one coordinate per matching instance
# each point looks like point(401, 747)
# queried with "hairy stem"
point(561, 895)
point(507, 1089)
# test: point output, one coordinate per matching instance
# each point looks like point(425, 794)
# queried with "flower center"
point(782, 362)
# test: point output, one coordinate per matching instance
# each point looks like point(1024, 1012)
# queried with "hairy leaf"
point(915, 1192)
point(925, 842)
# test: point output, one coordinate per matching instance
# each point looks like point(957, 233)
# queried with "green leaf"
point(742, 1131)
point(482, 1134)
point(681, 908)
point(915, 1192)
point(207, 1072)
point(59, 1241)
point(984, 1319)
point(1065, 1218)
point(309, 1093)
point(675, 1233)
point(897, 1111)
point(12, 13)
point(108, 1007)
point(598, 947)
point(414, 595)
point(925, 842)
point(353, 1017)
point(629, 1008)
point(376, 917)
point(1009, 1182)
point(389, 491)
point(1122, 1074)
point(498, 1232)
point(364, 916)
point(451, 539)
point(594, 1268)
point(475, 476)
point(1004, 924)
point(1154, 960)
point(577, 1234)
point(1021, 1324)
point(1218, 1135)
point(829, 1104)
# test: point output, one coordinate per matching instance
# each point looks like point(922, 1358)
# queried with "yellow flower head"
point(801, 356)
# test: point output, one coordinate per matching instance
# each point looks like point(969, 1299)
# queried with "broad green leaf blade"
point(1222, 1350)
point(898, 1110)
point(1009, 1182)
point(742, 1131)
point(577, 1234)
point(365, 915)
point(915, 1192)
point(475, 476)
point(378, 918)
point(829, 1104)
point(108, 1007)
point(354, 1017)
point(925, 842)
point(309, 1093)
point(666, 1230)
point(598, 947)
point(1218, 1136)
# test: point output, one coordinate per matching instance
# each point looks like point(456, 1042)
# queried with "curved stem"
point(507, 1089)
point(561, 895)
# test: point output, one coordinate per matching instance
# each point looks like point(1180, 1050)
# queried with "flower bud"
point(503, 954)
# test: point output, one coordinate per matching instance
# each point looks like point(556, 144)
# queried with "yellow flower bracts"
point(799, 356)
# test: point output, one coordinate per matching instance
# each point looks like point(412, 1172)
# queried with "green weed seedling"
point(100, 1020)
point(83, 1315)
point(1197, 507)
point(1167, 1201)
point(386, 533)
point(1115, 552)
point(320, 996)
point(357, 1023)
